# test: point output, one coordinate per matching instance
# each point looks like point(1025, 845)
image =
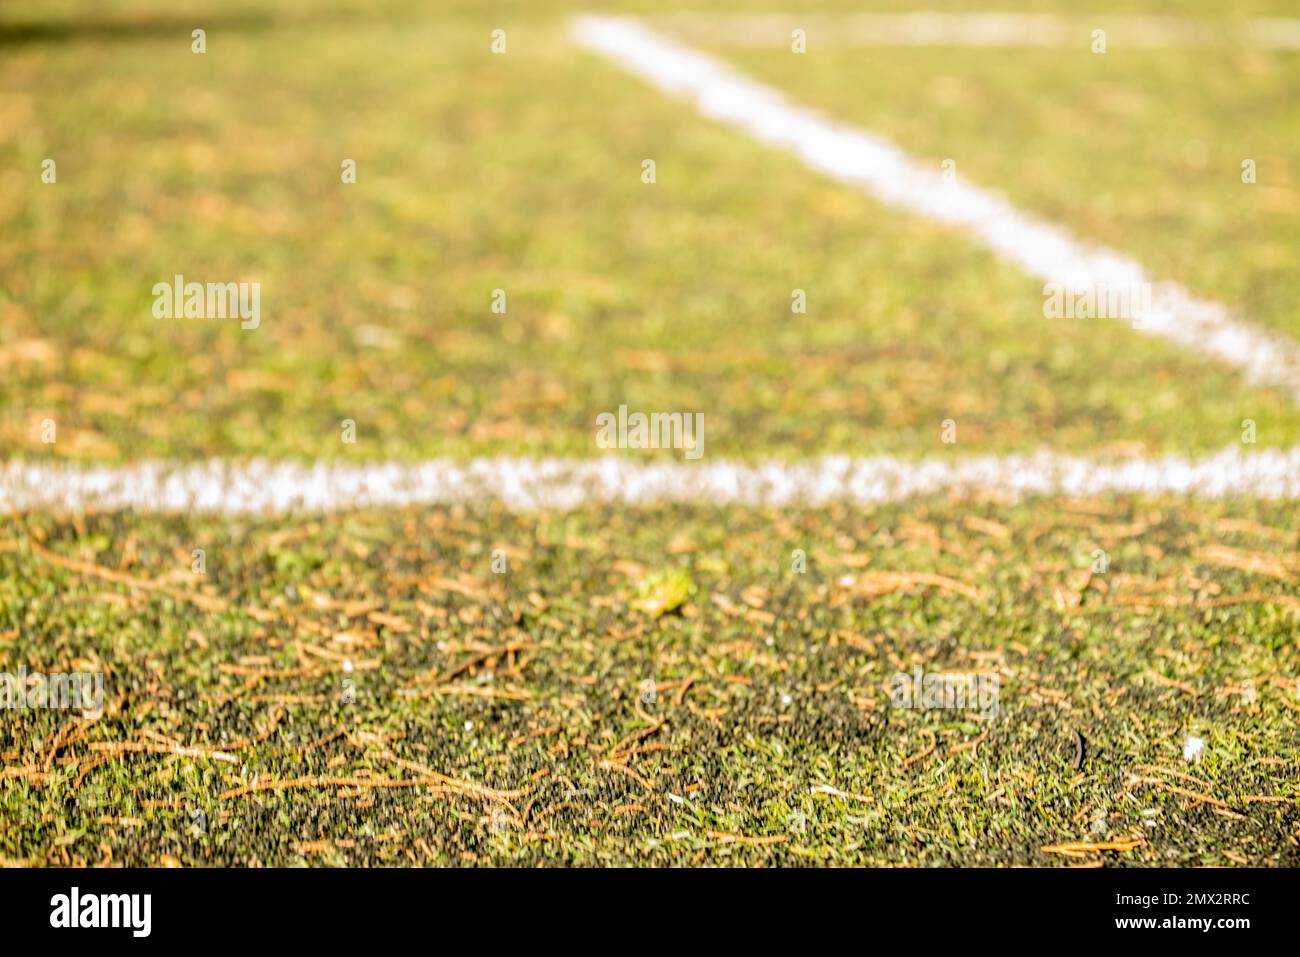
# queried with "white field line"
point(982, 30)
point(885, 171)
point(259, 487)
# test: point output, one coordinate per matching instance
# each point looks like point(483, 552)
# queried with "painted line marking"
point(260, 487)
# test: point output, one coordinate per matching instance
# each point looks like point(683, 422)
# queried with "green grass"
point(519, 172)
point(514, 710)
point(771, 716)
point(1140, 150)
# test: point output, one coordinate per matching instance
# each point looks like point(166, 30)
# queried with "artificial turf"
point(522, 172)
point(1139, 150)
point(655, 685)
point(659, 686)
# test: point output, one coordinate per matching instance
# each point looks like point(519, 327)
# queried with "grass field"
point(1154, 139)
point(517, 705)
point(620, 684)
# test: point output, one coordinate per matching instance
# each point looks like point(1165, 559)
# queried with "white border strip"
point(886, 172)
point(924, 28)
point(260, 487)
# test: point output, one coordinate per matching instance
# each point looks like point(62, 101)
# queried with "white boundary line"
point(888, 173)
point(260, 487)
point(923, 28)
